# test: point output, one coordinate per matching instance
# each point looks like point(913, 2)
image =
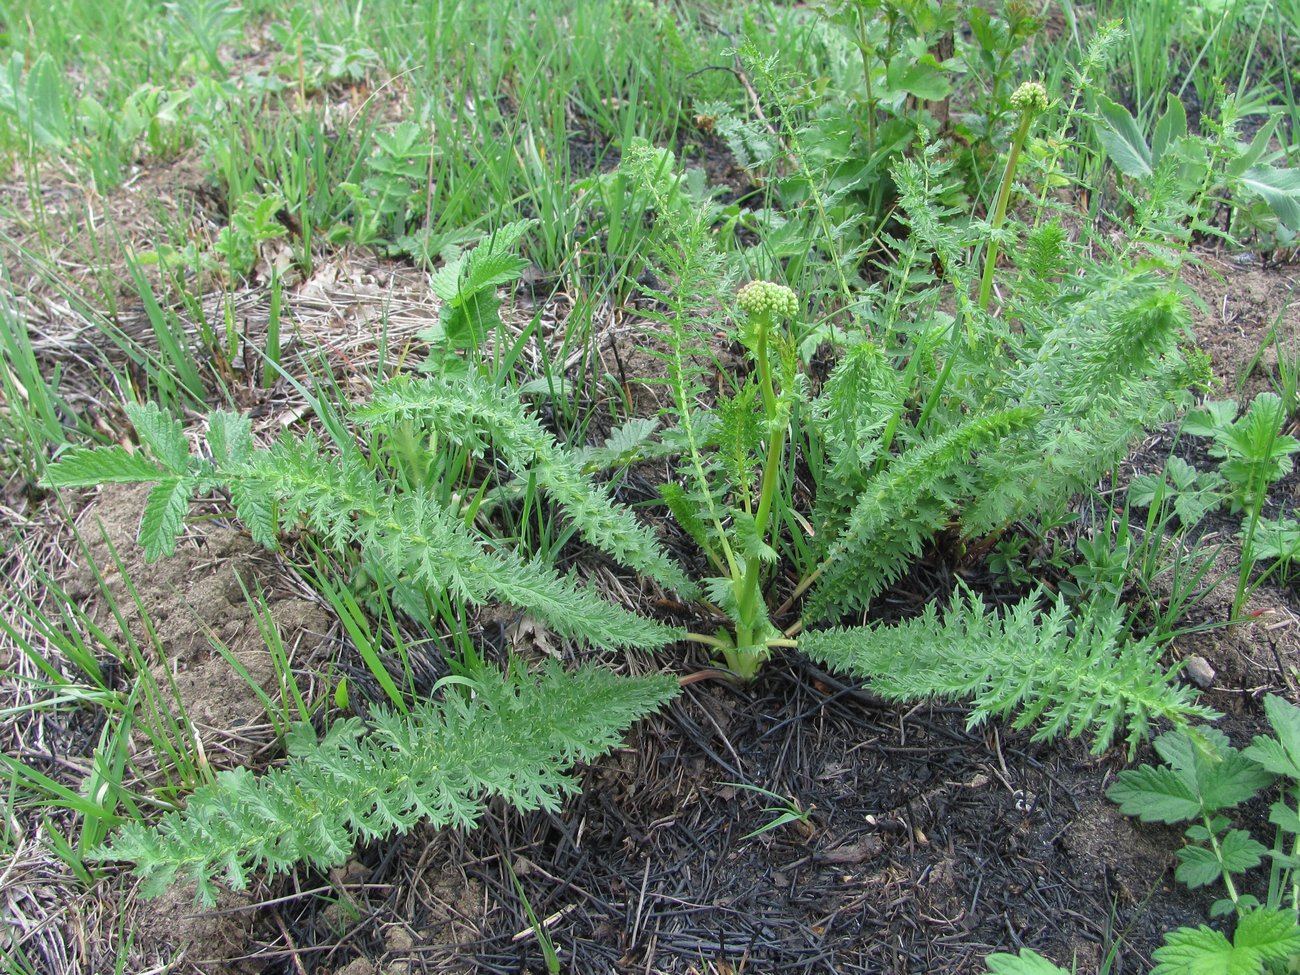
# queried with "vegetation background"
point(387, 452)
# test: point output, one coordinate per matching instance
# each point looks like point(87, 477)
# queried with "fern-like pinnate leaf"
point(471, 413)
point(342, 499)
point(418, 541)
point(901, 509)
point(1070, 676)
point(510, 736)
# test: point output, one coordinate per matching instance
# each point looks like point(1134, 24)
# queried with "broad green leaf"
point(1280, 814)
point(1281, 757)
point(1026, 963)
point(1255, 151)
point(1200, 951)
point(47, 113)
point(164, 516)
point(1201, 777)
point(1270, 933)
point(89, 466)
point(1211, 419)
point(1171, 127)
point(1262, 935)
point(1155, 795)
point(1197, 867)
point(1123, 139)
point(162, 434)
point(924, 77)
point(1279, 188)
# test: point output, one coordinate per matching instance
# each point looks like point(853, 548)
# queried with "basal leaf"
point(1171, 127)
point(1279, 188)
point(924, 77)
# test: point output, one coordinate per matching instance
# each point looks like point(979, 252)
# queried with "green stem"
point(864, 48)
point(1218, 855)
point(1000, 209)
point(748, 596)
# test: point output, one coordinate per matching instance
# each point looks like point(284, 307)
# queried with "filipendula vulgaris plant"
point(488, 734)
point(963, 425)
point(1011, 423)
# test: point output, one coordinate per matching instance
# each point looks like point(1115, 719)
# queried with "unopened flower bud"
point(1030, 98)
point(763, 299)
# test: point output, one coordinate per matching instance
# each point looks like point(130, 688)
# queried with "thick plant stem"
point(1031, 100)
point(1000, 210)
point(764, 303)
point(771, 475)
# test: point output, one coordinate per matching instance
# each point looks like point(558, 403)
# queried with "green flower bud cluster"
point(1030, 98)
point(763, 299)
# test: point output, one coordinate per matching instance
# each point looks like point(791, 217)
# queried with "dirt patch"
point(1245, 301)
point(186, 605)
point(178, 610)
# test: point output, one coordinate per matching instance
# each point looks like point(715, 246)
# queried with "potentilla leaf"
point(1197, 867)
point(1280, 756)
point(1155, 795)
point(1026, 963)
point(1270, 933)
point(1200, 951)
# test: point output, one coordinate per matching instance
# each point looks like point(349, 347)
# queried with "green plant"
point(491, 734)
point(253, 222)
point(787, 809)
point(1278, 539)
point(1195, 168)
point(1253, 451)
point(1029, 101)
point(1202, 779)
point(1191, 493)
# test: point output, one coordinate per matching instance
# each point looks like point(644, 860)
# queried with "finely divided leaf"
point(510, 735)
